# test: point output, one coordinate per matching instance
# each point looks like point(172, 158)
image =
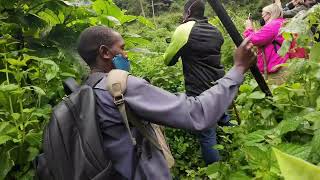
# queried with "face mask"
point(262, 22)
point(121, 62)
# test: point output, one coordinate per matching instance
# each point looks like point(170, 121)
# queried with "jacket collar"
point(198, 20)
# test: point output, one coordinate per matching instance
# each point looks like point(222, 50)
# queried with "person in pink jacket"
point(268, 39)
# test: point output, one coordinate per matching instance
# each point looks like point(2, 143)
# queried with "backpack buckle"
point(118, 100)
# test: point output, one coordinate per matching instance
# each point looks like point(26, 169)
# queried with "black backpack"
point(72, 141)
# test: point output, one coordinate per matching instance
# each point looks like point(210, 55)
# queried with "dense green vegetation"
point(37, 51)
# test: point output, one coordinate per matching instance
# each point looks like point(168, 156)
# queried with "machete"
point(237, 39)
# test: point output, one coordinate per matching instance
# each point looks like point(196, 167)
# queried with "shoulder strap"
point(275, 44)
point(117, 85)
point(95, 78)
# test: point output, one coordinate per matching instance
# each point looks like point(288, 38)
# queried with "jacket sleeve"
point(178, 41)
point(179, 111)
point(290, 13)
point(262, 37)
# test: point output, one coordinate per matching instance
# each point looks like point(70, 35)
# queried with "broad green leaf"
point(127, 18)
point(9, 87)
point(213, 170)
point(15, 116)
point(16, 62)
point(255, 137)
point(246, 88)
point(284, 48)
point(52, 70)
point(134, 41)
point(315, 118)
point(287, 36)
point(4, 139)
point(318, 103)
point(239, 175)
point(300, 151)
point(51, 17)
point(114, 20)
point(66, 74)
point(293, 168)
point(38, 90)
point(288, 125)
point(6, 164)
point(315, 144)
point(257, 95)
point(256, 157)
point(6, 128)
point(34, 139)
point(107, 7)
point(266, 113)
point(146, 22)
point(315, 52)
point(32, 153)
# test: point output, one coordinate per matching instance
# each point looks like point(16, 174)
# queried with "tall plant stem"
point(142, 9)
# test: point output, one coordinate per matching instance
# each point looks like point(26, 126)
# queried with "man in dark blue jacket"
point(198, 43)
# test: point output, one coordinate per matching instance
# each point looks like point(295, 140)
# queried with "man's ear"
point(104, 52)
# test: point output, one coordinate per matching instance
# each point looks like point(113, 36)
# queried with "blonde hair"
point(275, 11)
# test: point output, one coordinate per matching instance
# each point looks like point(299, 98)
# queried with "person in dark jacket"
point(295, 6)
point(198, 43)
point(100, 47)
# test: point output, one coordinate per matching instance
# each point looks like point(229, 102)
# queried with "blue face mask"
point(121, 62)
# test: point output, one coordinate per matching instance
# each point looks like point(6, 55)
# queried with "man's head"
point(194, 8)
point(98, 45)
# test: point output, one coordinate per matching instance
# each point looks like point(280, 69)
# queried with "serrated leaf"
point(114, 20)
point(33, 139)
point(300, 151)
point(4, 139)
point(16, 62)
point(6, 128)
point(266, 113)
point(5, 164)
point(256, 157)
point(315, 52)
point(146, 22)
point(9, 87)
point(293, 168)
point(32, 153)
point(318, 103)
point(257, 95)
point(246, 88)
point(315, 118)
point(284, 48)
point(287, 125)
point(38, 90)
point(239, 175)
point(52, 69)
point(315, 144)
point(255, 137)
point(213, 170)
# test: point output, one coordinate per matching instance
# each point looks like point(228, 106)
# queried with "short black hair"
point(90, 41)
point(196, 8)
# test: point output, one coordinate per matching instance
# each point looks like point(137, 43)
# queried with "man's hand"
point(244, 56)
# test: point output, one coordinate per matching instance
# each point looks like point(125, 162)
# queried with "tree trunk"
point(153, 16)
point(142, 10)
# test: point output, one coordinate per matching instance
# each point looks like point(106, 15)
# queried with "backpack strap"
point(275, 44)
point(117, 85)
point(95, 78)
